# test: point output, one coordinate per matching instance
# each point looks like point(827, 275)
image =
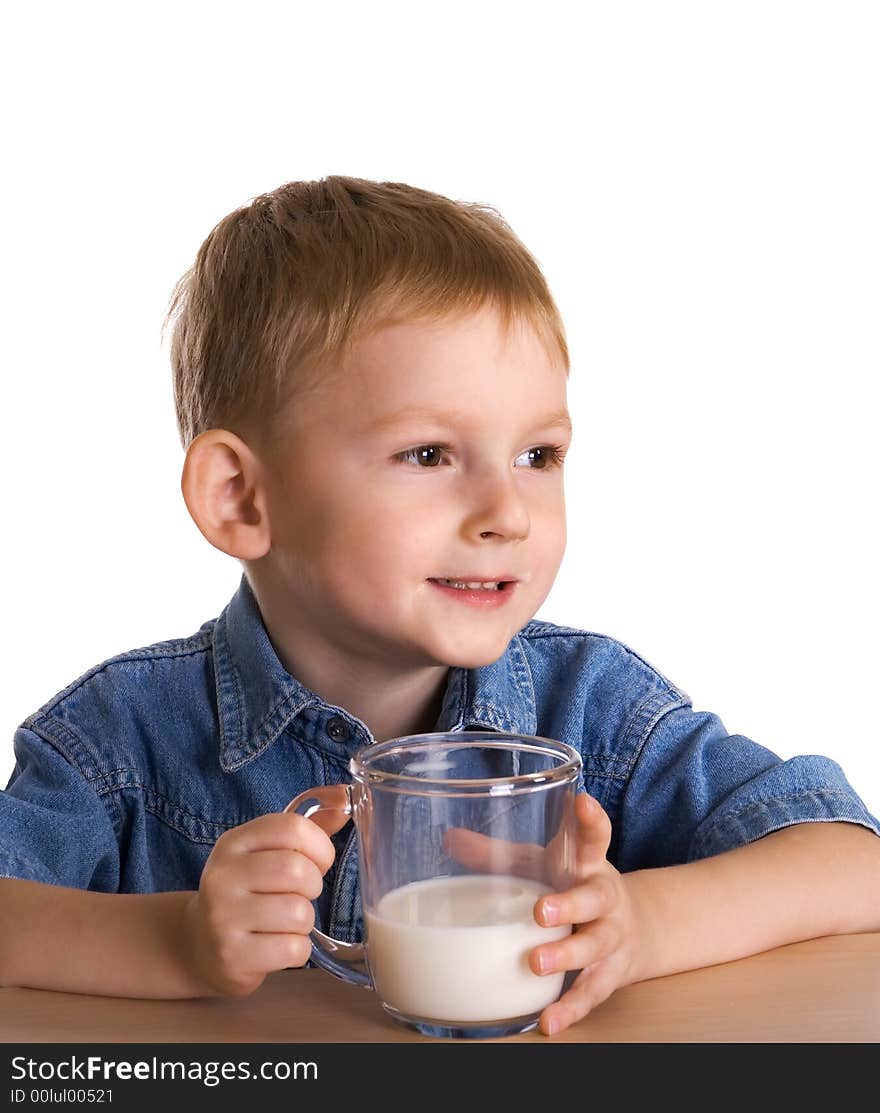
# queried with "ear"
point(223, 489)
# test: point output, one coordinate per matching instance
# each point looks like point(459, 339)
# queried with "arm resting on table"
point(802, 882)
point(121, 945)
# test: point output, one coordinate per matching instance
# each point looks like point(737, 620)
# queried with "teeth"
point(472, 586)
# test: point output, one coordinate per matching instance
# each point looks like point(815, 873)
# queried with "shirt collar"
point(257, 699)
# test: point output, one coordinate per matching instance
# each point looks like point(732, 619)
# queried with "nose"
point(496, 508)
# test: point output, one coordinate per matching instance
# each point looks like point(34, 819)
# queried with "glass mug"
point(459, 834)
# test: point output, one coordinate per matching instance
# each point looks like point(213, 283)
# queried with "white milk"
point(456, 948)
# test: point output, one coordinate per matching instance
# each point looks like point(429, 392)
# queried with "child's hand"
point(252, 913)
point(599, 907)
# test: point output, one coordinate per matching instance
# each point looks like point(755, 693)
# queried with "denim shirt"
point(125, 780)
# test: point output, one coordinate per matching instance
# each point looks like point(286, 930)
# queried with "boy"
point(370, 383)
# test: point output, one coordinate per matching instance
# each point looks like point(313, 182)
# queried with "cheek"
point(379, 541)
point(548, 525)
point(561, 534)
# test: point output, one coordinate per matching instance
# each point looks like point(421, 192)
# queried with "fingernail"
point(553, 1026)
point(550, 911)
point(545, 962)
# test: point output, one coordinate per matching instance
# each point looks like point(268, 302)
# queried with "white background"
point(699, 182)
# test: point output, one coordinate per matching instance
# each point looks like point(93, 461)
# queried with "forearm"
point(805, 881)
point(121, 945)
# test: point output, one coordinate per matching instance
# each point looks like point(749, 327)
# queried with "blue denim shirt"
point(124, 781)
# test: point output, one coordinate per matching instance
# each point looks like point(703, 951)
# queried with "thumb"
point(593, 833)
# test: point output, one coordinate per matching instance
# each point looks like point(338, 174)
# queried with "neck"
point(391, 702)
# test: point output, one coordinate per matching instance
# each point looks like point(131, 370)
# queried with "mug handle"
point(344, 960)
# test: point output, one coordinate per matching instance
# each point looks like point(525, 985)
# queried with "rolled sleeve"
point(804, 789)
point(696, 791)
point(54, 826)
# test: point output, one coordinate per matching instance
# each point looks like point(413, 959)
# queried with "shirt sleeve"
point(54, 826)
point(696, 791)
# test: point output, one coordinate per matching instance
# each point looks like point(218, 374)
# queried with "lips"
point(487, 593)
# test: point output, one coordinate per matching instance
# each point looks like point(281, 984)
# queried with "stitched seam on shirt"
point(227, 681)
point(163, 817)
point(135, 656)
point(492, 717)
point(700, 840)
point(553, 631)
point(56, 733)
point(149, 793)
point(207, 840)
point(464, 681)
point(639, 743)
point(63, 738)
point(523, 675)
point(638, 749)
point(276, 721)
point(351, 847)
point(115, 815)
point(33, 869)
point(117, 781)
point(593, 773)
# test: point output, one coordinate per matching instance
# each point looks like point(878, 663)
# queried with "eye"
point(426, 455)
point(544, 456)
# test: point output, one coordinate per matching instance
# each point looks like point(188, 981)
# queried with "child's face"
point(368, 508)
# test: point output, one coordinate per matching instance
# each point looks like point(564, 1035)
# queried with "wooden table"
point(821, 991)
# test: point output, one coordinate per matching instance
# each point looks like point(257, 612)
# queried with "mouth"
point(476, 592)
point(471, 583)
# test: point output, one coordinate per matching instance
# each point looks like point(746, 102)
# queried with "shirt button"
point(339, 730)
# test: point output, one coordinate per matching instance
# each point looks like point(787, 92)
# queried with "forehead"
point(419, 365)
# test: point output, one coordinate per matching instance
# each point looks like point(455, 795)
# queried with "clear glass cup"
point(459, 835)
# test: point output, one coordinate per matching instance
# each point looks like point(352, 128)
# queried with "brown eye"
point(543, 456)
point(426, 455)
point(429, 455)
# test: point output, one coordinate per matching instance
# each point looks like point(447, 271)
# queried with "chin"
point(475, 657)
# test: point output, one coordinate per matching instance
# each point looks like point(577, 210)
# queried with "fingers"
point(252, 913)
point(280, 831)
point(484, 854)
point(594, 950)
point(479, 852)
point(590, 899)
point(281, 871)
point(590, 988)
point(277, 913)
point(597, 909)
point(589, 944)
point(246, 959)
point(593, 833)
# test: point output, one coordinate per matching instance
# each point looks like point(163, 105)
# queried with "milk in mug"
point(456, 948)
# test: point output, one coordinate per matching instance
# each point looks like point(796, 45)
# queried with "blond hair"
point(290, 280)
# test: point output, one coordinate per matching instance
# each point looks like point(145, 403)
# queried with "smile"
point(474, 585)
point(481, 593)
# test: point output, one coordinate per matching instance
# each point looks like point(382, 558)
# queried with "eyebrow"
point(557, 419)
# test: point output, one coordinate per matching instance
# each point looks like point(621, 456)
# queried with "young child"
point(370, 383)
